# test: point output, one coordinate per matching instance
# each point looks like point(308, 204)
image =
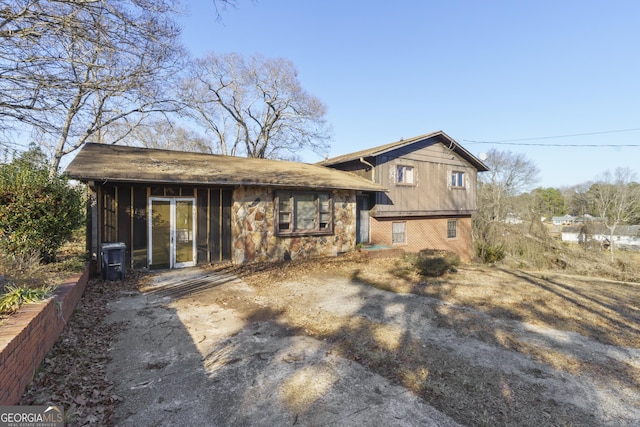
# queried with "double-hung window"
point(457, 179)
point(452, 229)
point(304, 213)
point(398, 233)
point(404, 175)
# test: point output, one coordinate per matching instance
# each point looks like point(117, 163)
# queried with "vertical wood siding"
point(225, 229)
point(139, 226)
point(202, 235)
point(122, 217)
point(431, 192)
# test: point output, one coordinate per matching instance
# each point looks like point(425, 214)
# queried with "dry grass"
point(482, 301)
point(601, 309)
point(24, 278)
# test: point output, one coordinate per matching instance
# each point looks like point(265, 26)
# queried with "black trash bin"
point(113, 261)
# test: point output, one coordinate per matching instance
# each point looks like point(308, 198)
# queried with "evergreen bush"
point(38, 212)
point(433, 263)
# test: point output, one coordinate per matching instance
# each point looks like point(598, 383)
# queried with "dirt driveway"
point(194, 360)
point(204, 348)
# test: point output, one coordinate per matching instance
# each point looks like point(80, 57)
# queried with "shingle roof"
point(439, 135)
point(102, 162)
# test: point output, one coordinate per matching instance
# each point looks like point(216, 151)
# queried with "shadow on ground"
point(206, 348)
point(195, 354)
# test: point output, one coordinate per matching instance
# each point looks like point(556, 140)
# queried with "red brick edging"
point(28, 335)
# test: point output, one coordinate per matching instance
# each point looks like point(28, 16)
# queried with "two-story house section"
point(431, 182)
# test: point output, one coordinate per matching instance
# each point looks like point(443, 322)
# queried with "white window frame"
point(405, 175)
point(458, 179)
point(452, 225)
point(395, 233)
point(173, 235)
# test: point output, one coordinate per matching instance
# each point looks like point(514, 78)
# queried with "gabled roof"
point(439, 136)
point(117, 163)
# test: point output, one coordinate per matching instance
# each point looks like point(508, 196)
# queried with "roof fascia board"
point(377, 151)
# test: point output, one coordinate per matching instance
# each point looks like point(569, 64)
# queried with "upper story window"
point(457, 179)
point(404, 175)
point(304, 213)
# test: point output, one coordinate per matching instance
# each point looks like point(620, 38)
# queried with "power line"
point(551, 145)
point(518, 141)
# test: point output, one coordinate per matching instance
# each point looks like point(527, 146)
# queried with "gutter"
point(364, 162)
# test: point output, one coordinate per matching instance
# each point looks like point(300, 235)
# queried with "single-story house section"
point(432, 193)
point(563, 220)
point(513, 219)
point(624, 236)
point(176, 209)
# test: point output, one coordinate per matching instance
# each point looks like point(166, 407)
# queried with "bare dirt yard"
point(485, 346)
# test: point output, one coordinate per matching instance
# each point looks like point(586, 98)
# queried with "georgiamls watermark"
point(31, 416)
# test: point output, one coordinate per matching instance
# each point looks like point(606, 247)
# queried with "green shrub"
point(14, 296)
point(433, 267)
point(38, 212)
point(490, 253)
point(433, 263)
point(411, 258)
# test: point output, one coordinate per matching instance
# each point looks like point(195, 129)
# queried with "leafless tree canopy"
point(616, 200)
point(163, 134)
point(254, 106)
point(71, 68)
point(508, 174)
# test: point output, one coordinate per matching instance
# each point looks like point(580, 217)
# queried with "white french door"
point(172, 231)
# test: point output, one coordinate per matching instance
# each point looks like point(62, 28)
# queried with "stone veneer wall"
point(28, 335)
point(253, 228)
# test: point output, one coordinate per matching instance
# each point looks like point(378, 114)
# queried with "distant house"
point(176, 209)
point(563, 220)
point(624, 236)
point(431, 182)
point(513, 219)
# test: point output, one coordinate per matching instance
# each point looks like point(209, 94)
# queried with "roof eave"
point(376, 151)
point(324, 186)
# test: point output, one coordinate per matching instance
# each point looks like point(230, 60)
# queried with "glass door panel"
point(185, 247)
point(160, 234)
point(171, 232)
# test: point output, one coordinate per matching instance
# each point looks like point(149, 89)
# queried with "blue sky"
point(478, 70)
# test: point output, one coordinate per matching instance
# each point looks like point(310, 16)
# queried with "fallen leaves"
point(73, 374)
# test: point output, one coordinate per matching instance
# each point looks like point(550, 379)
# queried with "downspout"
point(364, 162)
point(373, 179)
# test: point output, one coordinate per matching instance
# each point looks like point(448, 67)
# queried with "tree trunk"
point(611, 246)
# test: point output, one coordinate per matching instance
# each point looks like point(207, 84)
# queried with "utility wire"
point(518, 141)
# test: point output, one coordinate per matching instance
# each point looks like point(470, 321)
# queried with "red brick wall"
point(27, 336)
point(425, 233)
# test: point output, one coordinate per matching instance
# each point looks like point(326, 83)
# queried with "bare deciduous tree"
point(508, 175)
point(255, 107)
point(616, 200)
point(71, 68)
point(163, 134)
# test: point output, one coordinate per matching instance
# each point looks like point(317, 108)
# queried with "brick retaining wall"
point(28, 335)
